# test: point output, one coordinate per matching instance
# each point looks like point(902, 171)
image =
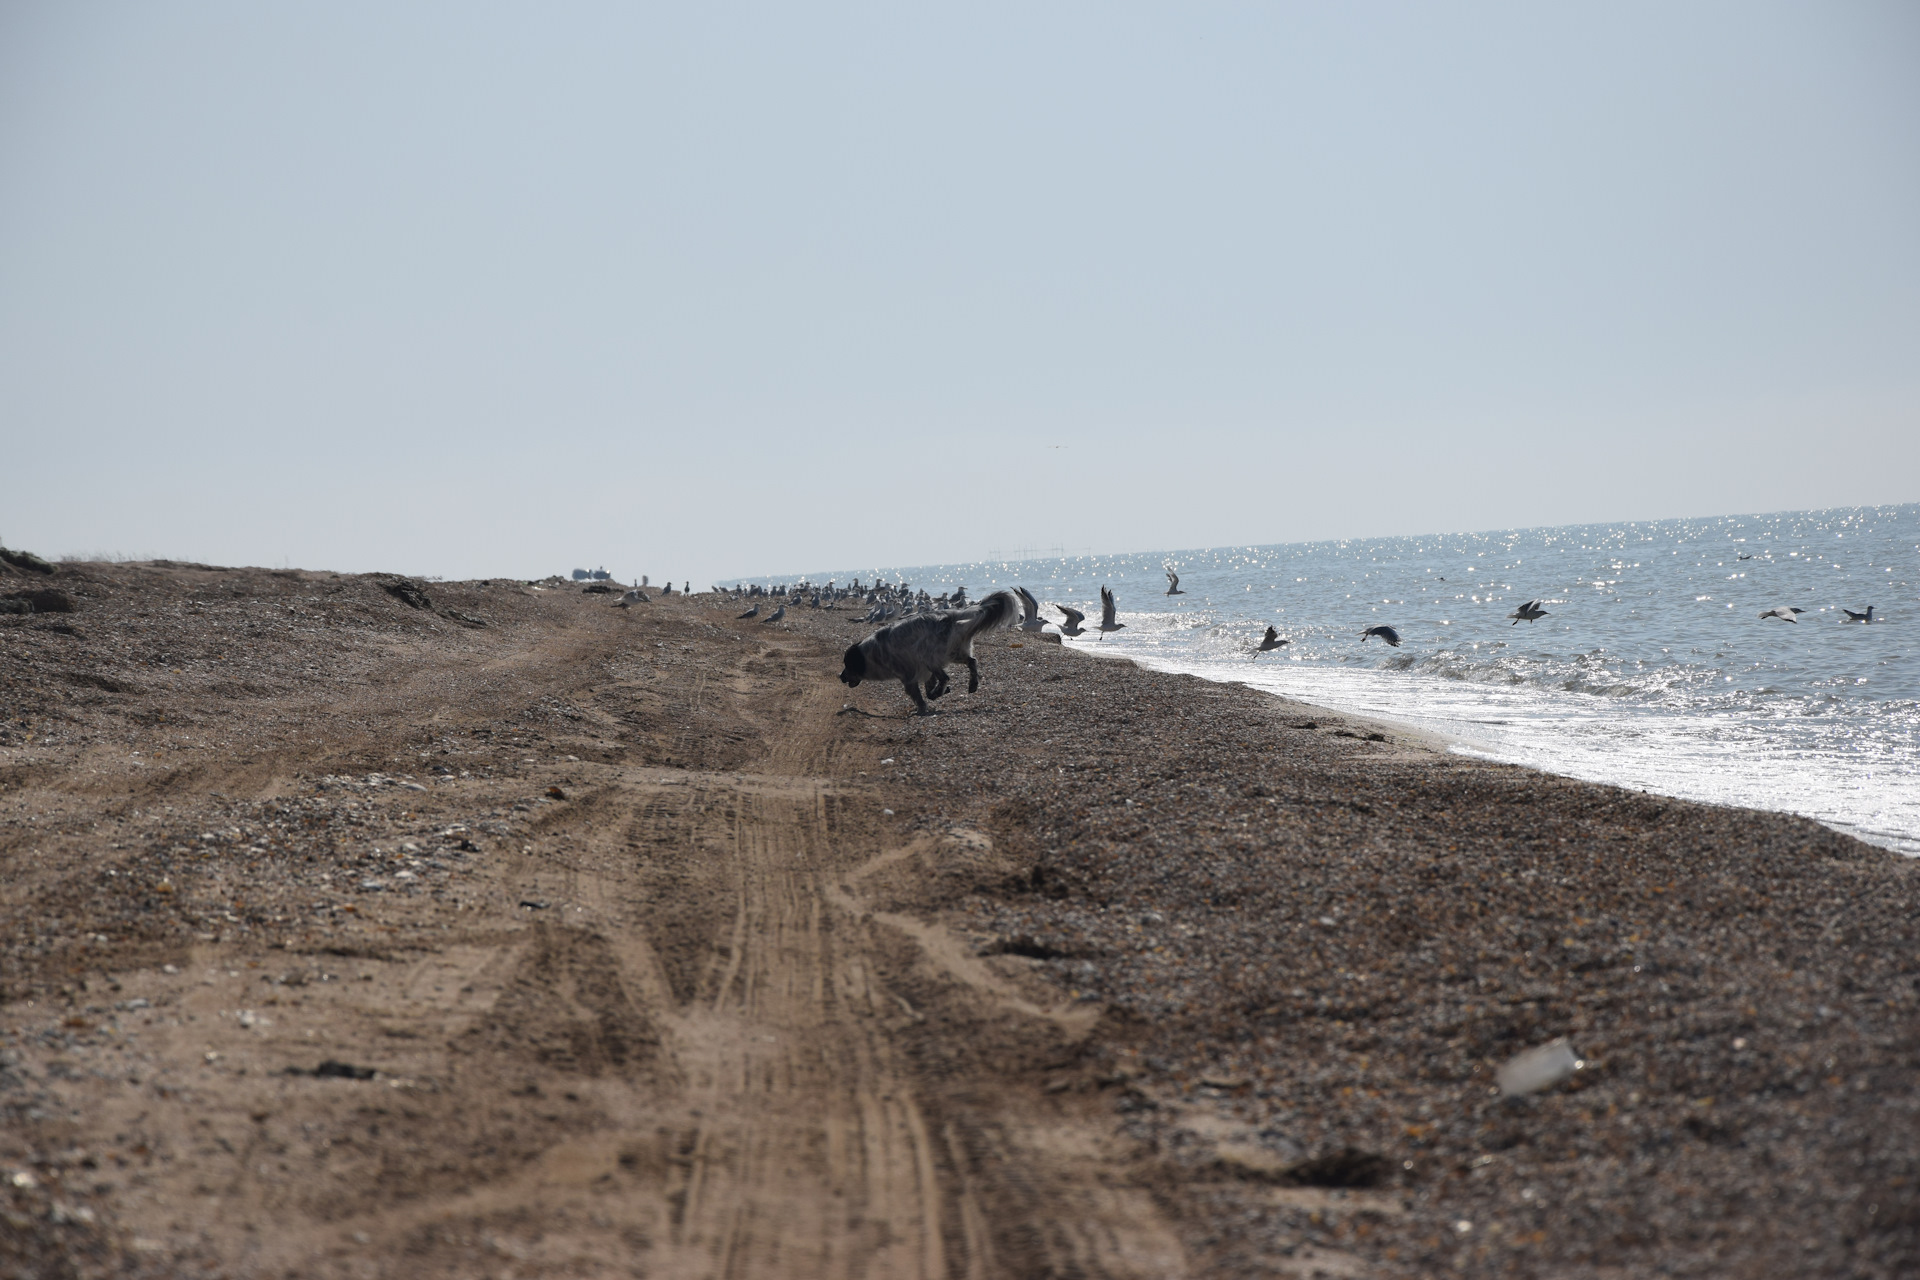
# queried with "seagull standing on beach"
point(1785, 613)
point(1528, 612)
point(1271, 642)
point(1858, 617)
point(752, 613)
point(1388, 634)
point(1173, 582)
point(1031, 607)
point(775, 616)
point(1107, 610)
point(635, 596)
point(1072, 625)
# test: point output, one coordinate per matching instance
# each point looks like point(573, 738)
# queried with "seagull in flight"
point(1858, 617)
point(1528, 612)
point(1388, 634)
point(1785, 613)
point(1173, 582)
point(1072, 625)
point(1032, 621)
point(752, 613)
point(1271, 642)
point(1107, 609)
point(775, 616)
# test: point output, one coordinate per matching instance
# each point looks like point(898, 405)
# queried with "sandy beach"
point(358, 926)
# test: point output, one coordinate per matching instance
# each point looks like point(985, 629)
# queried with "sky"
point(717, 291)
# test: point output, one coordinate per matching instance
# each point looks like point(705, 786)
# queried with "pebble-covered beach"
point(1131, 973)
point(1318, 934)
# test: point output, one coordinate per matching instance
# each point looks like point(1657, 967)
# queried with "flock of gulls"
point(1787, 613)
point(889, 602)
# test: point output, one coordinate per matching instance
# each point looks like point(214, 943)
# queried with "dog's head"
point(856, 668)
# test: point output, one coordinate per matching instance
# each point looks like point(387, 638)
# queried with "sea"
point(1652, 668)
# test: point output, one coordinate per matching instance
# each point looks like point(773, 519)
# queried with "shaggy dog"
point(920, 648)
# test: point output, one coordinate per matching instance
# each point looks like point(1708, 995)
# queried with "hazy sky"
point(716, 290)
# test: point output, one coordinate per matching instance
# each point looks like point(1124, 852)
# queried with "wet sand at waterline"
point(671, 956)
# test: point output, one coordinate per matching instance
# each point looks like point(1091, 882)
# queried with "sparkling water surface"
point(1652, 668)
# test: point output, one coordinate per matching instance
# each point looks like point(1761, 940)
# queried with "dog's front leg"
point(913, 691)
point(973, 676)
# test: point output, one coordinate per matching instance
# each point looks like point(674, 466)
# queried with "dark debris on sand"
point(1314, 939)
point(1318, 938)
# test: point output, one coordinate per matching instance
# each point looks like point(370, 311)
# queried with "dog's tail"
point(997, 610)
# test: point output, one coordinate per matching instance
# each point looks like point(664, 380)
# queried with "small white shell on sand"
point(1540, 1067)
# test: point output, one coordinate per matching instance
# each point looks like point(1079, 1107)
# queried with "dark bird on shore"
point(1388, 634)
point(1107, 611)
point(1528, 612)
point(775, 616)
point(1030, 608)
point(752, 613)
point(1858, 617)
point(1173, 582)
point(1785, 613)
point(1072, 625)
point(1271, 642)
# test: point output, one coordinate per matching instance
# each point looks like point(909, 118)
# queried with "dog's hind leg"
point(913, 691)
point(973, 676)
point(938, 683)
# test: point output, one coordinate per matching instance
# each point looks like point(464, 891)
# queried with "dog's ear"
point(856, 669)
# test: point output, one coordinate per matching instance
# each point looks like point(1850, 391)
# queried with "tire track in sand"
point(813, 1148)
point(811, 1155)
